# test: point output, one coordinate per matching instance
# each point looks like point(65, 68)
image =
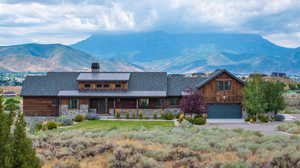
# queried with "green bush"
point(263, 118)
point(155, 116)
point(133, 115)
point(198, 120)
point(189, 119)
point(140, 115)
point(247, 119)
point(118, 115)
point(38, 126)
point(127, 115)
point(79, 118)
point(167, 116)
point(51, 125)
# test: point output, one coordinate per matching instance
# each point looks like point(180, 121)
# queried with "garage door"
point(226, 111)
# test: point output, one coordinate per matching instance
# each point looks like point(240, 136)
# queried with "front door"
point(99, 104)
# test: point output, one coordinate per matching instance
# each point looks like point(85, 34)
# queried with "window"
point(106, 85)
point(99, 86)
point(73, 103)
point(144, 102)
point(227, 85)
point(87, 85)
point(174, 101)
point(118, 85)
point(160, 102)
point(224, 84)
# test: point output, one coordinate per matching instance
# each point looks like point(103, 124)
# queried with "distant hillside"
point(193, 52)
point(53, 57)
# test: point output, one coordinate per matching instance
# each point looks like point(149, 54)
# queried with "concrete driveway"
point(265, 128)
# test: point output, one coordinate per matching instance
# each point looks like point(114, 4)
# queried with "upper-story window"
point(224, 84)
point(98, 86)
point(106, 85)
point(87, 86)
point(117, 85)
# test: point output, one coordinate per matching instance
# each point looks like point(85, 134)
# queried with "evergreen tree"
point(6, 148)
point(24, 154)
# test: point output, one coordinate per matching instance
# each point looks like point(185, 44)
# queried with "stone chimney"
point(95, 67)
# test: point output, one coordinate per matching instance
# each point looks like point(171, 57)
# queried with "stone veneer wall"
point(147, 113)
point(71, 113)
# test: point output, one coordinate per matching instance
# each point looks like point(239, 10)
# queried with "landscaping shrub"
point(38, 126)
point(51, 125)
point(247, 119)
point(167, 116)
point(155, 116)
point(133, 115)
point(127, 115)
point(189, 119)
point(279, 117)
point(198, 120)
point(79, 118)
point(92, 116)
point(118, 115)
point(263, 118)
point(140, 115)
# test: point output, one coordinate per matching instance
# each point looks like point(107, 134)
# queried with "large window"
point(73, 103)
point(106, 85)
point(174, 101)
point(224, 84)
point(144, 102)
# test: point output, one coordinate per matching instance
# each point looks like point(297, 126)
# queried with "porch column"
point(114, 106)
point(137, 105)
point(106, 105)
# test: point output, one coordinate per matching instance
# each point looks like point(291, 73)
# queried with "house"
point(105, 93)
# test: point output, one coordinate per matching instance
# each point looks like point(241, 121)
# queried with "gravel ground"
point(267, 128)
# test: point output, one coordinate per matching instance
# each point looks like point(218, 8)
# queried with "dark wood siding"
point(213, 95)
point(40, 106)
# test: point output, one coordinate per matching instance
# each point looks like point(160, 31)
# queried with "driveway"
point(266, 128)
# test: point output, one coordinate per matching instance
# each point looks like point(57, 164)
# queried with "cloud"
point(67, 21)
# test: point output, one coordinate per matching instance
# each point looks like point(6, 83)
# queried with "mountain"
point(193, 52)
point(53, 57)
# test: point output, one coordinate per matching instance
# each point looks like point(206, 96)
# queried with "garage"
point(224, 111)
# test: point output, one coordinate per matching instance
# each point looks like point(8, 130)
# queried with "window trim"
point(70, 105)
point(142, 104)
point(223, 81)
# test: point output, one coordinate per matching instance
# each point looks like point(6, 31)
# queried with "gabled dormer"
point(97, 80)
point(103, 80)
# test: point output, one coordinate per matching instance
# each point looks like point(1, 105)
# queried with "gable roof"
point(218, 72)
point(139, 83)
point(53, 82)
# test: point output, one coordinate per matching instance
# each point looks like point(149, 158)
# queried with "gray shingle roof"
point(179, 83)
point(139, 82)
point(51, 84)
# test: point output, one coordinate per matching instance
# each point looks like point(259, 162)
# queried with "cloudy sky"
point(69, 21)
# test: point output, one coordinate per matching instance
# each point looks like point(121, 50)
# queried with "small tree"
point(6, 148)
point(193, 103)
point(273, 96)
point(254, 98)
point(24, 154)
